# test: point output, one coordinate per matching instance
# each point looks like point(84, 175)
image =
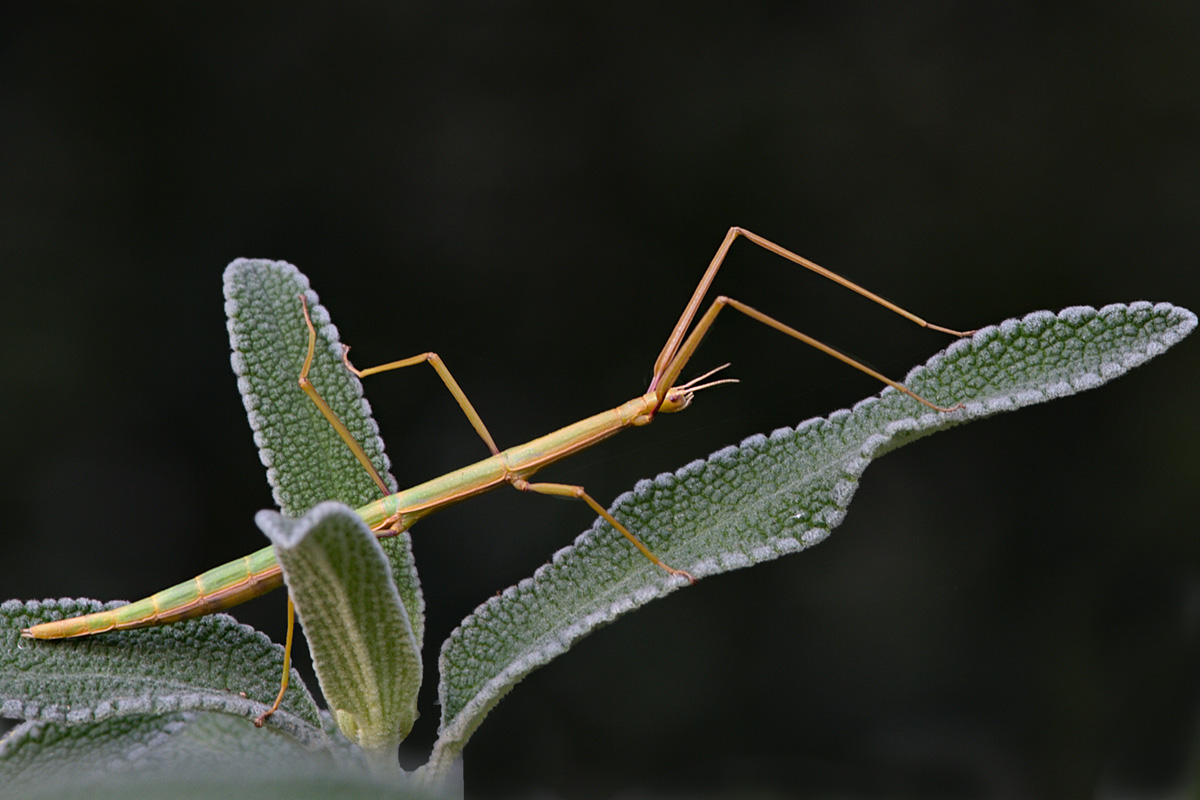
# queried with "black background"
point(1011, 609)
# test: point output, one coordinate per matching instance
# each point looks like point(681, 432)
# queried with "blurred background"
point(1011, 609)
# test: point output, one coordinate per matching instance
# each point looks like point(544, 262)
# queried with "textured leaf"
point(362, 645)
point(52, 758)
point(775, 495)
point(306, 461)
point(222, 785)
point(200, 665)
point(181, 755)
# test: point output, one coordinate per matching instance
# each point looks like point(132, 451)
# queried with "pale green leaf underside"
point(363, 648)
point(774, 495)
point(199, 665)
point(307, 463)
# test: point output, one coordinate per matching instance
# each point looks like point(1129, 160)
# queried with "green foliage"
point(775, 495)
point(306, 461)
point(364, 651)
point(179, 754)
point(134, 702)
point(187, 667)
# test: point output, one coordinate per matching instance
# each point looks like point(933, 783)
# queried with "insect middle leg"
point(359, 453)
point(577, 492)
point(434, 361)
point(557, 489)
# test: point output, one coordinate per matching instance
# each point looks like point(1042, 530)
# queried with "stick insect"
point(259, 572)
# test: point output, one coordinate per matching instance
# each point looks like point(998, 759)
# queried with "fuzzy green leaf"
point(306, 461)
point(205, 664)
point(50, 758)
point(363, 647)
point(774, 495)
point(178, 755)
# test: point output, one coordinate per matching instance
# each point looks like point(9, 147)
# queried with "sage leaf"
point(774, 495)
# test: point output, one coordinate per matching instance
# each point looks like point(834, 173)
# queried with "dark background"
point(1011, 609)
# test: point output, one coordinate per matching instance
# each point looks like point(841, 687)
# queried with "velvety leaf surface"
point(306, 460)
point(363, 647)
point(774, 495)
point(205, 664)
point(44, 759)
